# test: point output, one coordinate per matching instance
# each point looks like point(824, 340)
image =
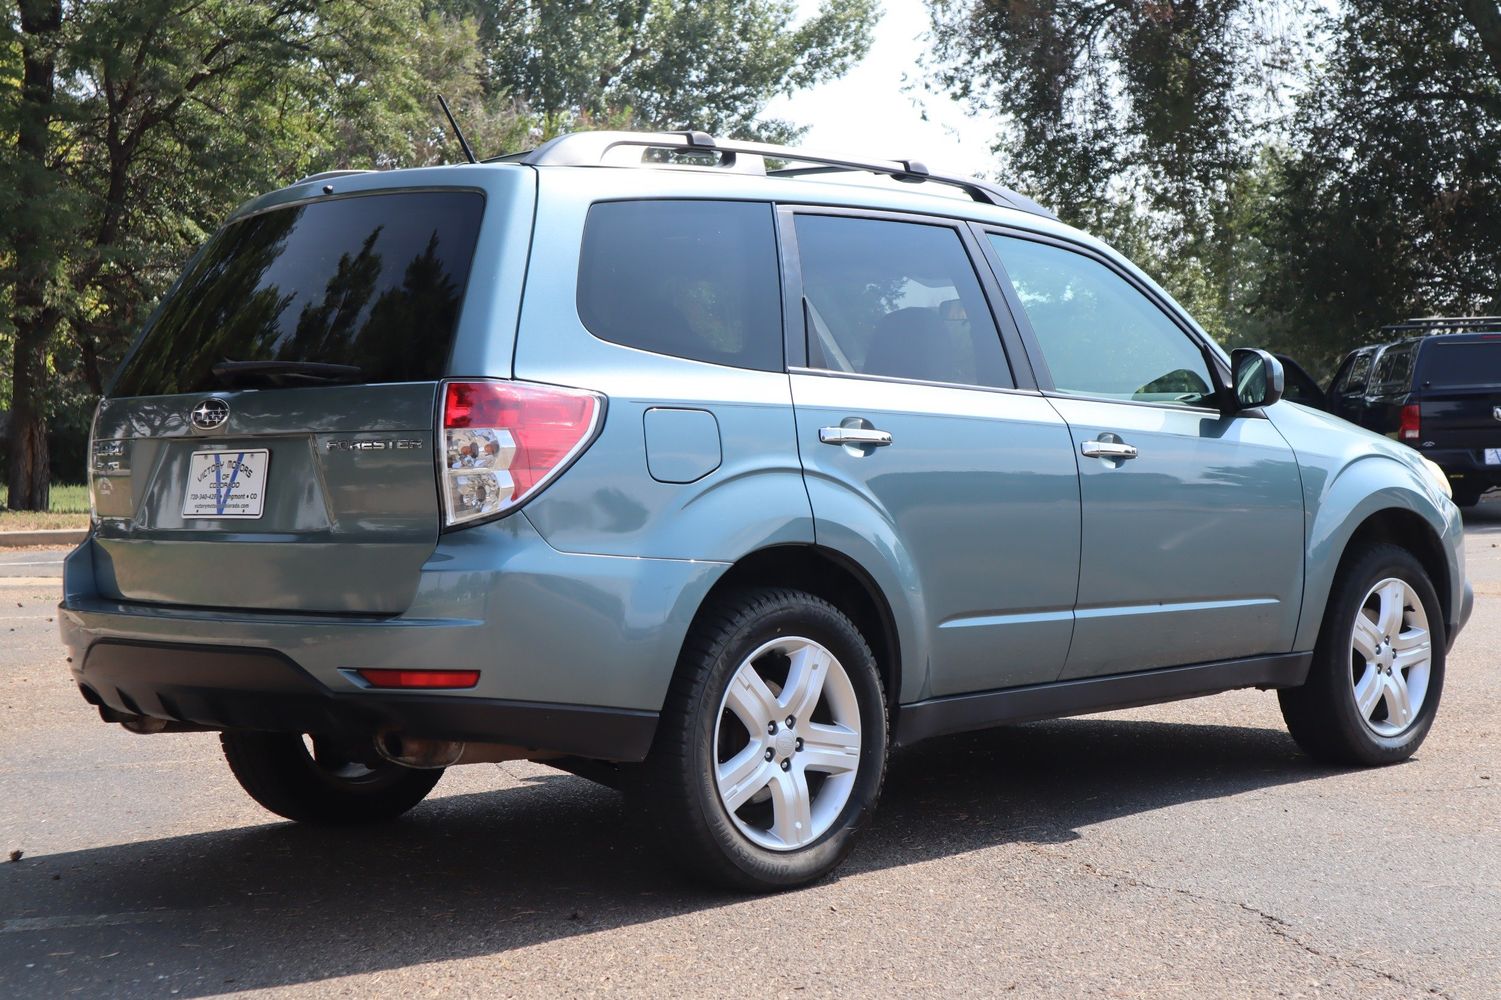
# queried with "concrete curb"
point(51, 536)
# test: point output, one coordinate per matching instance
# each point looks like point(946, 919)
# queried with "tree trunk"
point(30, 474)
point(1485, 17)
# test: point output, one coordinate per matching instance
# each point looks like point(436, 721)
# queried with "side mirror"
point(1256, 377)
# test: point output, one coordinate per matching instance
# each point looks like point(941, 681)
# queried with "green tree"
point(132, 126)
point(668, 64)
point(1387, 202)
point(32, 214)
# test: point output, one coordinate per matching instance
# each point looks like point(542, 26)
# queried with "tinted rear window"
point(1393, 370)
point(1463, 363)
point(694, 279)
point(375, 281)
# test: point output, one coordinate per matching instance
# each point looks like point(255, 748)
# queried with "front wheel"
point(1378, 667)
point(311, 780)
point(771, 750)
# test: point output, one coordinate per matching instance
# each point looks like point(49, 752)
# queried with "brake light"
point(1411, 427)
point(502, 442)
point(420, 678)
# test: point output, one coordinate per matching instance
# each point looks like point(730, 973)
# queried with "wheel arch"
point(1396, 517)
point(836, 578)
point(1406, 530)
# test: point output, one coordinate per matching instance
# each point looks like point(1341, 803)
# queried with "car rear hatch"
point(269, 444)
point(1458, 394)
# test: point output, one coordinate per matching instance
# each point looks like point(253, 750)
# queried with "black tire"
point(1465, 495)
point(679, 787)
point(1322, 714)
point(277, 771)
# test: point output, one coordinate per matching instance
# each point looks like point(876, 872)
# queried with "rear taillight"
point(1411, 427)
point(503, 441)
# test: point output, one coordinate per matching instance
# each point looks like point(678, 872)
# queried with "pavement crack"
point(1273, 924)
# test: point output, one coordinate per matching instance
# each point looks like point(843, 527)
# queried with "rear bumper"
point(222, 687)
point(1468, 463)
point(575, 652)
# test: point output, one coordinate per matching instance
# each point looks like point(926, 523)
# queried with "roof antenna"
point(463, 143)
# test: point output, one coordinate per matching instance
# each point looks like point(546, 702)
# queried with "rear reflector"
point(503, 441)
point(1411, 427)
point(420, 678)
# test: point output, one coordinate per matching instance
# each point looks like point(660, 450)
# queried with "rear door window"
point(693, 279)
point(1354, 379)
point(899, 299)
point(370, 281)
point(1392, 371)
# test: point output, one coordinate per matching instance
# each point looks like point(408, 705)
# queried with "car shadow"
point(484, 874)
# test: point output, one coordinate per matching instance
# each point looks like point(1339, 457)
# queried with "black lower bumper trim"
point(221, 687)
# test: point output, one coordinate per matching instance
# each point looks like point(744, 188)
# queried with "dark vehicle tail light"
point(502, 442)
point(1412, 423)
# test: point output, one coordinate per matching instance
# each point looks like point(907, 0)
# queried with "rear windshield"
point(1462, 363)
point(373, 281)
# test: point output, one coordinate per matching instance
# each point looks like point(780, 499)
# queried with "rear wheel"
point(1378, 668)
point(772, 748)
point(310, 779)
point(1466, 495)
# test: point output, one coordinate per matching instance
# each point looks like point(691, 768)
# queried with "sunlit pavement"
point(1185, 850)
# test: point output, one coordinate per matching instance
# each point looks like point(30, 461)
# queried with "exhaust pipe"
point(409, 751)
point(418, 753)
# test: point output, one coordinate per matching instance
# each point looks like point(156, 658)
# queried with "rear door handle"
point(854, 435)
point(1108, 449)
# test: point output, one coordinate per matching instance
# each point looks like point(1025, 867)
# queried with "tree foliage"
point(1387, 201)
point(130, 127)
point(1296, 177)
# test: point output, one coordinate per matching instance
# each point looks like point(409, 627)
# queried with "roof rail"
point(579, 149)
point(1445, 324)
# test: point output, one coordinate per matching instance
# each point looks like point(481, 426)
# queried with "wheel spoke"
point(805, 676)
point(1368, 691)
point(830, 749)
point(1393, 598)
point(1412, 639)
point(751, 700)
point(1398, 700)
point(791, 808)
point(743, 775)
point(1368, 635)
point(1416, 657)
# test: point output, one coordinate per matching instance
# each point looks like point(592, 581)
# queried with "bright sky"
point(869, 112)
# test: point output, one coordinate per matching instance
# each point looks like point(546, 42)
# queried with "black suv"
point(1436, 387)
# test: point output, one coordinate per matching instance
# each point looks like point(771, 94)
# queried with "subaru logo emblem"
point(210, 413)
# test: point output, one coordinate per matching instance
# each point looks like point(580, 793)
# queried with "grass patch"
point(69, 508)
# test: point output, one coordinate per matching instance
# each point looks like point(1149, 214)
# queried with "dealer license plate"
point(226, 484)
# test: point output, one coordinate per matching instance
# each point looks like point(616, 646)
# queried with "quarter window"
point(694, 279)
point(1098, 334)
point(899, 299)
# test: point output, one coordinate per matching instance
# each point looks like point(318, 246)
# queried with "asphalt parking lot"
point(1184, 850)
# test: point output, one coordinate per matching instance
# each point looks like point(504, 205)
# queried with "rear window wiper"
point(232, 373)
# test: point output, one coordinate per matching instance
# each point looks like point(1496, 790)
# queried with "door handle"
point(1108, 449)
point(854, 435)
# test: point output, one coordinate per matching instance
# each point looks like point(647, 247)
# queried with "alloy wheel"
point(787, 743)
point(1391, 657)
